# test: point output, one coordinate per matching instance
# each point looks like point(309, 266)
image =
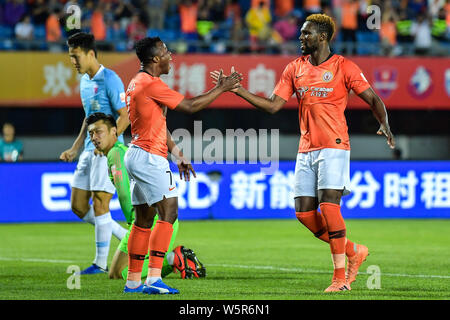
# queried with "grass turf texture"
point(245, 260)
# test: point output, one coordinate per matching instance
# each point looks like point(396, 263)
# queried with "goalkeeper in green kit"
point(102, 130)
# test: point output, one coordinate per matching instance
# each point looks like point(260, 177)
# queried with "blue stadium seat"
point(39, 32)
point(121, 46)
point(168, 35)
point(6, 32)
point(153, 33)
point(366, 42)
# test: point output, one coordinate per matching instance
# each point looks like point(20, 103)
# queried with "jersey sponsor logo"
point(321, 92)
point(302, 91)
point(385, 81)
point(327, 76)
point(420, 84)
point(122, 96)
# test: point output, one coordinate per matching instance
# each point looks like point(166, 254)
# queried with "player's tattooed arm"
point(271, 105)
point(70, 154)
point(380, 113)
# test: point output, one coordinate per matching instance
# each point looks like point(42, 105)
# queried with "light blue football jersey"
point(103, 93)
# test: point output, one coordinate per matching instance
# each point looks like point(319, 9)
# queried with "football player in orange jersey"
point(147, 99)
point(322, 81)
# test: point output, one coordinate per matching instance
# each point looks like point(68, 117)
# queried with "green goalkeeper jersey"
point(119, 177)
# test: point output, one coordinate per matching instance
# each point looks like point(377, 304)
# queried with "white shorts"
point(322, 169)
point(91, 173)
point(150, 177)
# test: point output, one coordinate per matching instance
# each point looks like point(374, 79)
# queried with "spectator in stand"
point(123, 13)
point(233, 11)
point(39, 12)
point(98, 26)
point(86, 14)
point(205, 25)
point(388, 30)
point(447, 18)
point(237, 33)
point(24, 29)
point(255, 3)
point(13, 11)
point(349, 24)
point(156, 10)
point(258, 21)
point(287, 28)
point(283, 7)
point(421, 30)
point(52, 26)
point(136, 30)
point(11, 150)
point(188, 18)
point(311, 6)
point(415, 8)
point(434, 6)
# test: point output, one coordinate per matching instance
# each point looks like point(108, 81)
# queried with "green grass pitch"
point(245, 260)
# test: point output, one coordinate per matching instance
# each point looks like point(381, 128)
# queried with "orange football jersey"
point(322, 95)
point(147, 99)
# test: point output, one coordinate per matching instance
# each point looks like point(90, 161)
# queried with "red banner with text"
point(49, 80)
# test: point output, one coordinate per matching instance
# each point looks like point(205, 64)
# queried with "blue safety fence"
point(40, 192)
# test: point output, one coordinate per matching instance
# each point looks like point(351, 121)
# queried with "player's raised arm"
point(222, 85)
point(271, 105)
point(71, 153)
point(380, 113)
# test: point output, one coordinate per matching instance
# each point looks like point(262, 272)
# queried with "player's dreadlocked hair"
point(324, 23)
point(106, 118)
point(146, 49)
point(85, 41)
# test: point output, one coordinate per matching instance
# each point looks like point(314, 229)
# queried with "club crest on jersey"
point(327, 76)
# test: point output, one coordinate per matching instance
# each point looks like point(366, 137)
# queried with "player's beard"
point(309, 49)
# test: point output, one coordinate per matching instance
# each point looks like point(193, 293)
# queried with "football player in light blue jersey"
point(101, 90)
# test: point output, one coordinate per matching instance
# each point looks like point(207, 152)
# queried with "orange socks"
point(137, 249)
point(315, 222)
point(336, 233)
point(159, 242)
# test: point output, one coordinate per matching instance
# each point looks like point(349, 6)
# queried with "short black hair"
point(83, 40)
point(106, 118)
point(147, 48)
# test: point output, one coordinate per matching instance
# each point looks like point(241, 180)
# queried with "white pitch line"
point(299, 270)
point(36, 260)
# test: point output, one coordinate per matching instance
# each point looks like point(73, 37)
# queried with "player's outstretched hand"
point(68, 155)
point(216, 75)
point(227, 83)
point(185, 168)
point(384, 129)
